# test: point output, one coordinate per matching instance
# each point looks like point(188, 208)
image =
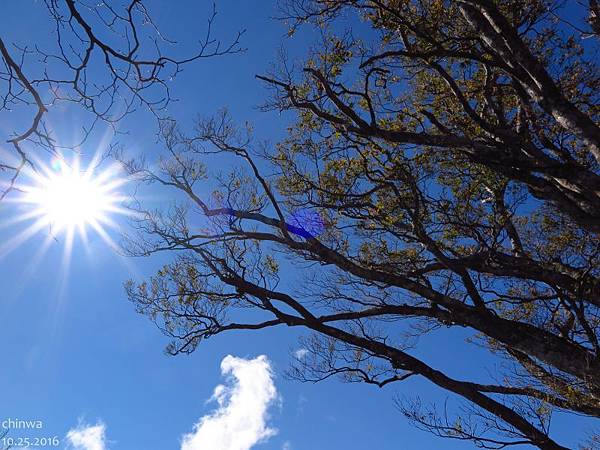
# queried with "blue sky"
point(74, 351)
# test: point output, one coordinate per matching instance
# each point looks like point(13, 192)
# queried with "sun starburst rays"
point(70, 203)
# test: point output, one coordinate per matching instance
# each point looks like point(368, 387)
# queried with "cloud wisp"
point(87, 437)
point(301, 353)
point(240, 420)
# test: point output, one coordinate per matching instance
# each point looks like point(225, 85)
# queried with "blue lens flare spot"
point(306, 223)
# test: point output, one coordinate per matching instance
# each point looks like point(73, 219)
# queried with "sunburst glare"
point(68, 200)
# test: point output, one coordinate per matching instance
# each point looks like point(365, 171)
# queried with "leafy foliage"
point(450, 157)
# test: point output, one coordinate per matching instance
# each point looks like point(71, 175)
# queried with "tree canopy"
point(443, 171)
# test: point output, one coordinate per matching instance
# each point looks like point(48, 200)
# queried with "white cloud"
point(240, 421)
point(286, 446)
point(301, 353)
point(88, 437)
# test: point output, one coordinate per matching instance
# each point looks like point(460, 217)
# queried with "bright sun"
point(67, 198)
point(63, 200)
point(71, 199)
